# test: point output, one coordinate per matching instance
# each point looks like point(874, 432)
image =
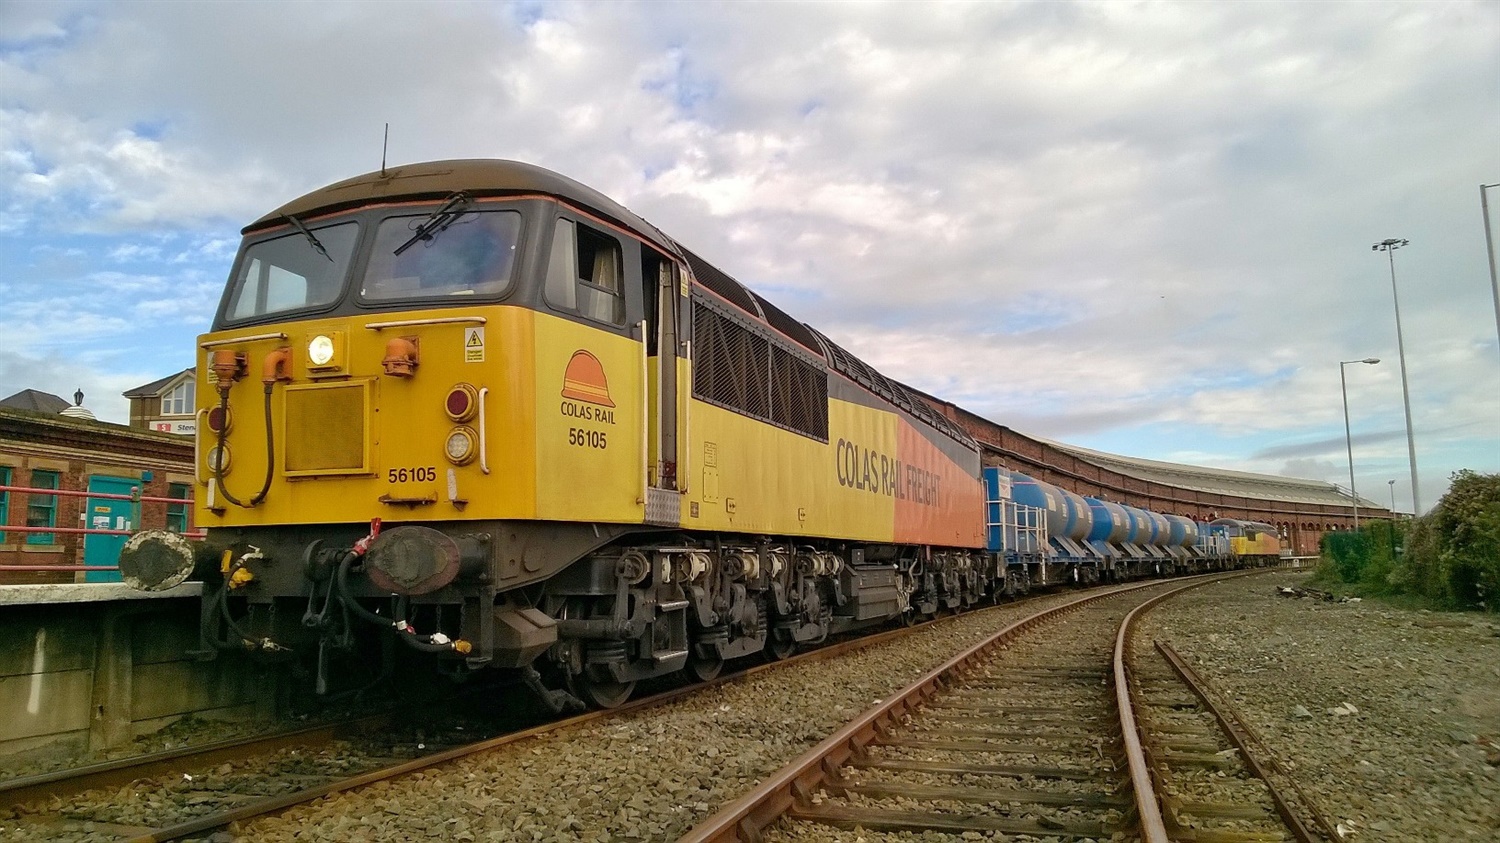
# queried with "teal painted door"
point(105, 514)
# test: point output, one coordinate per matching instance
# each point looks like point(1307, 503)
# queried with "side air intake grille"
point(742, 370)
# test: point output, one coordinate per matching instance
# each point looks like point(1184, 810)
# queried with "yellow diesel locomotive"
point(482, 409)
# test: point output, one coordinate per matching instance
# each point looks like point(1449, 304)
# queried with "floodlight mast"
point(1349, 440)
point(1389, 246)
point(1489, 250)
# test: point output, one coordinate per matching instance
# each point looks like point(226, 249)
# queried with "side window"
point(177, 513)
point(41, 510)
point(585, 273)
point(4, 501)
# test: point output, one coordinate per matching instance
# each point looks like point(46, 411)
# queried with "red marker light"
point(462, 403)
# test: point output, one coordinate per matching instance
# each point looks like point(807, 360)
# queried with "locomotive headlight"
point(320, 350)
point(461, 446)
point(217, 459)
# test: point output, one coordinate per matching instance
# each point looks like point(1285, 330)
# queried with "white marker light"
point(459, 449)
point(320, 350)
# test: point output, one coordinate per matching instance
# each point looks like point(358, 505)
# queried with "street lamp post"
point(1389, 246)
point(1392, 523)
point(1489, 249)
point(1349, 440)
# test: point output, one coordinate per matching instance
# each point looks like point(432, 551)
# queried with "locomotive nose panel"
point(326, 431)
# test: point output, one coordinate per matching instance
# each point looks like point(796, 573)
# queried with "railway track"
point(193, 792)
point(1216, 779)
point(1049, 735)
point(61, 784)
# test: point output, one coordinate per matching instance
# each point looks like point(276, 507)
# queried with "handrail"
point(436, 320)
point(78, 493)
point(275, 335)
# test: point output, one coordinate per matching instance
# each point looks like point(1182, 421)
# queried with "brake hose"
point(270, 450)
point(434, 643)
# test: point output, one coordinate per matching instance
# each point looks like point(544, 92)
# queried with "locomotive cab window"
point(585, 273)
point(474, 255)
point(295, 271)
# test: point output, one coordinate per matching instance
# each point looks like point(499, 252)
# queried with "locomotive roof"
point(1219, 481)
point(476, 176)
point(495, 177)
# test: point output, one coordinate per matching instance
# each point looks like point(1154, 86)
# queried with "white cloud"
point(1084, 217)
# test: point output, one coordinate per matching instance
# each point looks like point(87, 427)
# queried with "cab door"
point(664, 338)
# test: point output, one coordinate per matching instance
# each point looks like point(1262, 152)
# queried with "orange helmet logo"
point(584, 380)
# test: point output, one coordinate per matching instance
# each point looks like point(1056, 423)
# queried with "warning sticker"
point(473, 345)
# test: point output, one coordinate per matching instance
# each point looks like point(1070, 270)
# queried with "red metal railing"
point(135, 498)
point(76, 493)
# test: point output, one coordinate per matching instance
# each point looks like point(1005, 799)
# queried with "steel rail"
point(746, 817)
point(123, 771)
point(1240, 734)
point(1147, 805)
point(276, 804)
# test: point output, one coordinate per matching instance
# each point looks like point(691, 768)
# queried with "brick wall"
point(1303, 523)
point(78, 449)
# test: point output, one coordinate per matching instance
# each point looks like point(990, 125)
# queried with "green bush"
point(1366, 558)
point(1455, 550)
point(1349, 553)
point(1449, 558)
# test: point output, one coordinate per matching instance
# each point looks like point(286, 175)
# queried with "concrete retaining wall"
point(92, 675)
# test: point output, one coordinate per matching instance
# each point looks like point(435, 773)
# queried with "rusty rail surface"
point(1147, 805)
point(123, 771)
point(746, 817)
point(1244, 739)
point(273, 805)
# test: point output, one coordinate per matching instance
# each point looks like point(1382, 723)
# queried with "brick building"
point(1301, 510)
point(72, 451)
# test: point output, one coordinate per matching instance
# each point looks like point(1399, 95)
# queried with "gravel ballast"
point(1390, 717)
point(651, 775)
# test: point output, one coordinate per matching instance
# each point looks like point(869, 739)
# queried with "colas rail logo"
point(586, 390)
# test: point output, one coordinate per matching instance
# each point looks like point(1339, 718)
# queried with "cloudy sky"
point(1143, 228)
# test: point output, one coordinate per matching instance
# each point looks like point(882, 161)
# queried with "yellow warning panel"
point(474, 345)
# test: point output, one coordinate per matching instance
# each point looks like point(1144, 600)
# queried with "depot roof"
point(1218, 481)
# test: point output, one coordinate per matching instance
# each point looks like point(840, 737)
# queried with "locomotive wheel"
point(704, 669)
point(599, 689)
point(779, 647)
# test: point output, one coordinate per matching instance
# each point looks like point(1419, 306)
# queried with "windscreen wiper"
point(443, 217)
point(311, 238)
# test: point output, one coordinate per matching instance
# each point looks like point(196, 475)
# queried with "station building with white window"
point(165, 405)
point(44, 537)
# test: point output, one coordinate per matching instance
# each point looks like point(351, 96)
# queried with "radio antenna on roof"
point(384, 145)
